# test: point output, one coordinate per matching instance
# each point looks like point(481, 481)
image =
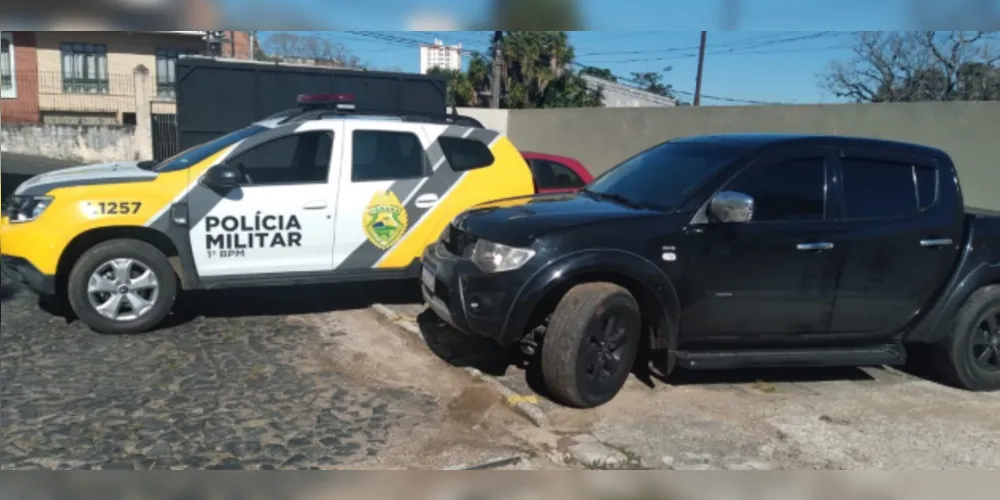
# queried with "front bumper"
point(21, 271)
point(19, 240)
point(470, 300)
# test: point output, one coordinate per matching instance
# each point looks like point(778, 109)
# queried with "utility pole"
point(497, 69)
point(701, 69)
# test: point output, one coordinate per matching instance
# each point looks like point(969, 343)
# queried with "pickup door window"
point(280, 220)
point(755, 278)
point(900, 241)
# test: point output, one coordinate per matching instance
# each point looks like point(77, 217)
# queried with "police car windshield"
point(198, 153)
point(664, 176)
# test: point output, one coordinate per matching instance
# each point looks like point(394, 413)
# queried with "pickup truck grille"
point(458, 242)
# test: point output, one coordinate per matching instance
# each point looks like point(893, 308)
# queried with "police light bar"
point(337, 101)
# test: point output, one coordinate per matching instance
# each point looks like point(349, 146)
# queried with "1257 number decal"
point(116, 207)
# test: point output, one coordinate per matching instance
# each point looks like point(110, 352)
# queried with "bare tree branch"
point(917, 66)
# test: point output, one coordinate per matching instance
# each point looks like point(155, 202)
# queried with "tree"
point(536, 73)
point(462, 91)
point(653, 83)
point(916, 66)
point(603, 73)
point(315, 48)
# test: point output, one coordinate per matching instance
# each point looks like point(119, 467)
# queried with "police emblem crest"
point(384, 220)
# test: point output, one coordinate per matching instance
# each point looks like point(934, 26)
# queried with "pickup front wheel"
point(591, 344)
point(969, 356)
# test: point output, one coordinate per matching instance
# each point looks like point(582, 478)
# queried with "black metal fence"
point(165, 136)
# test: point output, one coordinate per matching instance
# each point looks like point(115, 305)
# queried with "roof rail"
point(306, 114)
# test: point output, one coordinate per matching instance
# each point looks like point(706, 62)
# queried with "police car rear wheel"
point(591, 344)
point(122, 286)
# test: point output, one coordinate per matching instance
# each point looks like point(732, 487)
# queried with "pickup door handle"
point(936, 242)
point(315, 205)
point(809, 247)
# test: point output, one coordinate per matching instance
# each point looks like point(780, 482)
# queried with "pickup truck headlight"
point(27, 208)
point(496, 258)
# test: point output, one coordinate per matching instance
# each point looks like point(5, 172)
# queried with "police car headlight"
point(496, 258)
point(27, 208)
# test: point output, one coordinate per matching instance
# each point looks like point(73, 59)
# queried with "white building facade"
point(440, 55)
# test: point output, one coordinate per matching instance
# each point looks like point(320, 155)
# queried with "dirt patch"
point(470, 422)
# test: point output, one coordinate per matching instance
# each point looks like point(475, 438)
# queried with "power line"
point(686, 93)
point(417, 43)
point(410, 42)
point(738, 44)
point(720, 53)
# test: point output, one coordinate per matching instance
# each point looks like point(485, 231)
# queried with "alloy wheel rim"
point(986, 341)
point(606, 348)
point(123, 289)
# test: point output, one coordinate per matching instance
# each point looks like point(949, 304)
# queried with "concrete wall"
point(601, 138)
point(86, 144)
point(494, 119)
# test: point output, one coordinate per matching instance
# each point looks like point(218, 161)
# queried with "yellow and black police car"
point(317, 194)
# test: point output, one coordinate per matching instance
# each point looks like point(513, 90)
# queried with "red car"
point(556, 174)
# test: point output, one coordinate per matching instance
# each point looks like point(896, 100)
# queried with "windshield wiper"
point(622, 199)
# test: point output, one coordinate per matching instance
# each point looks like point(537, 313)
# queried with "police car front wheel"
point(122, 286)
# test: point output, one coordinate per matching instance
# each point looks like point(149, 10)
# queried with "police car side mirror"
point(222, 176)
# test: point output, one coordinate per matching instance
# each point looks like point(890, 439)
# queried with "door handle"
point(315, 205)
point(426, 200)
point(806, 247)
point(936, 242)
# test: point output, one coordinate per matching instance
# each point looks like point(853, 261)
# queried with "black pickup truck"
point(730, 251)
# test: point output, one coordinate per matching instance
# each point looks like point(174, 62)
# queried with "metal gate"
point(165, 136)
point(217, 96)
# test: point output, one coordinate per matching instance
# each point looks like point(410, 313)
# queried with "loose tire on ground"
point(954, 357)
point(150, 257)
point(568, 350)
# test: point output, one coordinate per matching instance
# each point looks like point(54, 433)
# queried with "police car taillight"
point(343, 102)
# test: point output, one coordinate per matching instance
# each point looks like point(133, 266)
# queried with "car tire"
point(963, 357)
point(103, 259)
point(591, 344)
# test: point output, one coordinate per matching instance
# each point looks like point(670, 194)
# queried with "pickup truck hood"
point(518, 221)
point(85, 175)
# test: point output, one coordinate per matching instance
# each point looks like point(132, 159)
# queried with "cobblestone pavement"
point(224, 393)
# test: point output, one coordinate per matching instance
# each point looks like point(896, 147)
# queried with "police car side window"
point(465, 154)
point(302, 158)
point(380, 155)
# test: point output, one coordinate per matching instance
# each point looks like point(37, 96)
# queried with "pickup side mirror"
point(731, 206)
point(223, 176)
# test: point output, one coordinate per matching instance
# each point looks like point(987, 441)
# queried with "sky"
point(763, 51)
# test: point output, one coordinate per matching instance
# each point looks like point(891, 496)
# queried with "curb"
point(524, 405)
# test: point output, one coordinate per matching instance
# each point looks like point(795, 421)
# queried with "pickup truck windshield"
point(661, 178)
point(195, 154)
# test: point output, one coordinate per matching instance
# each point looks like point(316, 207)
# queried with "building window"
point(166, 76)
point(8, 82)
point(85, 68)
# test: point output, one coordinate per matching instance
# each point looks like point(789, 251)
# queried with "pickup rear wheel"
point(122, 286)
point(591, 344)
point(969, 356)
